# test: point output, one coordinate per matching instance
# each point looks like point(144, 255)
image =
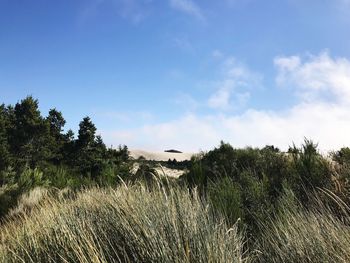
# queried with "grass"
point(133, 223)
point(307, 235)
point(126, 224)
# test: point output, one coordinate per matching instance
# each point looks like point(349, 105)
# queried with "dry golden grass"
point(127, 224)
point(307, 235)
point(165, 224)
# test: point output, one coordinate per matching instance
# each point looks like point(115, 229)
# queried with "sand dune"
point(160, 156)
point(161, 170)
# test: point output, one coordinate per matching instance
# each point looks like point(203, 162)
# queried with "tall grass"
point(126, 224)
point(305, 235)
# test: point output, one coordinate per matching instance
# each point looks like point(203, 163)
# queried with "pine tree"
point(56, 122)
point(29, 133)
point(86, 135)
point(56, 140)
point(89, 148)
point(4, 147)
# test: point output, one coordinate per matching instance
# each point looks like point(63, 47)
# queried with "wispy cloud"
point(189, 7)
point(232, 92)
point(217, 54)
point(133, 10)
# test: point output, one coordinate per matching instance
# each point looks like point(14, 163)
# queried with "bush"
point(309, 170)
point(241, 183)
point(225, 197)
point(9, 194)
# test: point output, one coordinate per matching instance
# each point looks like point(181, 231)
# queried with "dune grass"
point(126, 224)
point(166, 224)
point(309, 235)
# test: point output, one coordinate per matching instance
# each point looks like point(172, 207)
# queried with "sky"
point(184, 74)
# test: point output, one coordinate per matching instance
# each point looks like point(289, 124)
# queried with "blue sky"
point(184, 73)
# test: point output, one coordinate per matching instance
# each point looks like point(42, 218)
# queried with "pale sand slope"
point(162, 171)
point(160, 156)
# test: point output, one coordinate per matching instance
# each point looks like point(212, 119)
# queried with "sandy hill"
point(160, 156)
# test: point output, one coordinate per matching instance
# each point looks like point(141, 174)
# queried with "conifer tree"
point(4, 147)
point(29, 133)
point(89, 148)
point(56, 140)
point(86, 134)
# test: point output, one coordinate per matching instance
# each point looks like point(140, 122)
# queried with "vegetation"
point(128, 224)
point(34, 151)
point(71, 199)
point(303, 235)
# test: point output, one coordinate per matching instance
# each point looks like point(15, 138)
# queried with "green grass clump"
point(126, 224)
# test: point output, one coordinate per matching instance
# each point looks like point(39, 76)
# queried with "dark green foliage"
point(225, 197)
point(86, 136)
point(342, 156)
point(175, 164)
point(8, 199)
point(341, 163)
point(247, 183)
point(274, 166)
point(29, 140)
point(34, 151)
point(309, 170)
point(56, 140)
point(56, 122)
point(225, 161)
point(4, 146)
point(196, 176)
point(28, 136)
point(90, 151)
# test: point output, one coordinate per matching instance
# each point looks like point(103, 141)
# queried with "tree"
point(86, 135)
point(90, 149)
point(69, 148)
point(4, 147)
point(56, 141)
point(56, 122)
point(30, 132)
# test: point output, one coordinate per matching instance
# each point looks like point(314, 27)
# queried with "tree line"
point(30, 140)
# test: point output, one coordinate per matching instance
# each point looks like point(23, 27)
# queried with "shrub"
point(309, 170)
point(225, 197)
point(9, 194)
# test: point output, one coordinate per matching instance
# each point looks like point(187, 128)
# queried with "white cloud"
point(221, 99)
point(231, 92)
point(319, 78)
point(326, 121)
point(188, 7)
